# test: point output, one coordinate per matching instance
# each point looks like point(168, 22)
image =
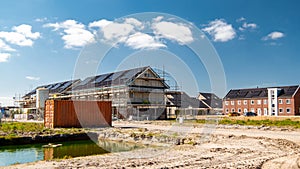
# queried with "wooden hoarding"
point(68, 113)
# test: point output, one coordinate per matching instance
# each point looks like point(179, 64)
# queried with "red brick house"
point(269, 101)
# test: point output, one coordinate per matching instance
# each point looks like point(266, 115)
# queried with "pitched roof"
point(111, 79)
point(211, 100)
point(183, 100)
point(59, 87)
point(284, 91)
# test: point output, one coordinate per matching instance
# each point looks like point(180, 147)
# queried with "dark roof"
point(284, 91)
point(211, 100)
point(59, 87)
point(110, 79)
point(183, 100)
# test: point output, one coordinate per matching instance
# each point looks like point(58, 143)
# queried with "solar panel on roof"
point(66, 85)
point(100, 78)
point(130, 73)
point(55, 86)
point(87, 80)
point(108, 78)
point(117, 75)
point(48, 86)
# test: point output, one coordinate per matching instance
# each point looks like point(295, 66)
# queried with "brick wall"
point(256, 104)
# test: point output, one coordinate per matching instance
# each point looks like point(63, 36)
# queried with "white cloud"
point(4, 57)
point(5, 47)
point(16, 38)
point(32, 78)
point(100, 24)
point(241, 19)
point(173, 31)
point(26, 30)
point(117, 32)
point(273, 36)
point(220, 30)
point(249, 26)
point(77, 37)
point(68, 24)
point(127, 31)
point(134, 22)
point(143, 41)
point(21, 35)
point(41, 19)
point(74, 33)
point(158, 19)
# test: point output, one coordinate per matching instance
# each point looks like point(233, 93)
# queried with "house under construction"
point(137, 93)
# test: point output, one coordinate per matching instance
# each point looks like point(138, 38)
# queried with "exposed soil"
point(224, 147)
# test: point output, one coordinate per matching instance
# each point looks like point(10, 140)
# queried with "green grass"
point(267, 122)
point(14, 129)
point(19, 127)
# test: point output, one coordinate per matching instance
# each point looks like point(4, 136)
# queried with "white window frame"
point(281, 110)
point(239, 102)
point(288, 110)
point(252, 102)
point(259, 112)
point(280, 101)
point(265, 101)
point(226, 103)
point(226, 110)
point(232, 110)
point(239, 110)
point(259, 102)
point(245, 102)
point(232, 102)
point(288, 101)
point(265, 111)
point(252, 110)
point(245, 110)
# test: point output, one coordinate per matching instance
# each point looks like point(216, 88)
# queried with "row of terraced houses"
point(268, 101)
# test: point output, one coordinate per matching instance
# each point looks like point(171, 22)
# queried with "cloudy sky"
point(40, 40)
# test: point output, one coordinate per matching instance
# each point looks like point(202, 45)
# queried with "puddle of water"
point(29, 153)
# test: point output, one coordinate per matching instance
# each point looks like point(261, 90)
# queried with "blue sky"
point(256, 41)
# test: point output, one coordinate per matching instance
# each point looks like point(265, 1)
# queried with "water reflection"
point(29, 153)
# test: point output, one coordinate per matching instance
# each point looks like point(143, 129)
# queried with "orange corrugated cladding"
point(68, 113)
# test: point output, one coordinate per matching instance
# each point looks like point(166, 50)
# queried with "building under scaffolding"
point(135, 93)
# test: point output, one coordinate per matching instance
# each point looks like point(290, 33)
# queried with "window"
point(252, 109)
point(259, 112)
point(232, 102)
point(280, 101)
point(252, 102)
point(288, 101)
point(239, 102)
point(288, 110)
point(265, 101)
point(245, 102)
point(239, 110)
point(280, 110)
point(226, 103)
point(245, 110)
point(265, 111)
point(226, 110)
point(232, 110)
point(258, 101)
